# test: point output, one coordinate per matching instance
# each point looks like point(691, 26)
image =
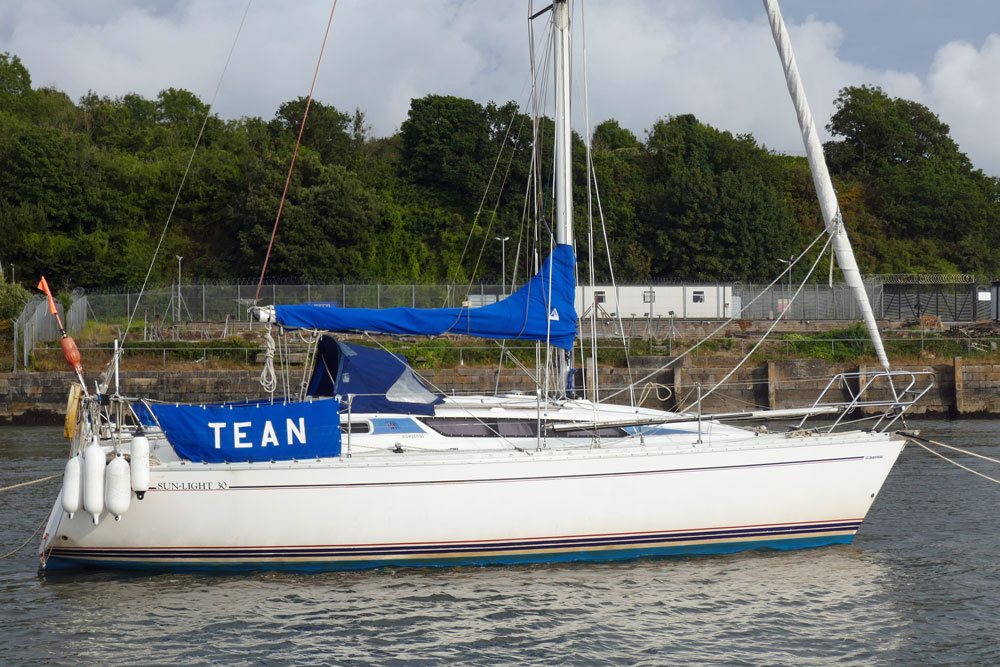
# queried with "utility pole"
point(179, 258)
point(503, 260)
point(788, 295)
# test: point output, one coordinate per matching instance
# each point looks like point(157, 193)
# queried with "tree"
point(15, 82)
point(881, 133)
point(446, 142)
point(710, 204)
point(327, 131)
point(915, 178)
point(13, 298)
point(609, 136)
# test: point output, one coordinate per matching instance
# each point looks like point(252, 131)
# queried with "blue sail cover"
point(377, 380)
point(541, 310)
point(257, 432)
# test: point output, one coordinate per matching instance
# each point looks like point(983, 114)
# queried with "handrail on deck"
point(906, 387)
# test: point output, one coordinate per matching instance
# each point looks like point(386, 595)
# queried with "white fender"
point(140, 464)
point(93, 480)
point(72, 495)
point(117, 488)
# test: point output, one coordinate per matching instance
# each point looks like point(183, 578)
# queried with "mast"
point(563, 158)
point(563, 138)
point(832, 218)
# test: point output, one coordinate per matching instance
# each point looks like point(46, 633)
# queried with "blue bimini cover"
point(376, 380)
point(251, 431)
point(541, 310)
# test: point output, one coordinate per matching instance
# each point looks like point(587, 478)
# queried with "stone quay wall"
point(959, 388)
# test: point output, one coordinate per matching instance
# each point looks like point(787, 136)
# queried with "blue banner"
point(252, 432)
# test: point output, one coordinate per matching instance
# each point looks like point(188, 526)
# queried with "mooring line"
point(916, 440)
point(26, 542)
point(34, 481)
point(957, 449)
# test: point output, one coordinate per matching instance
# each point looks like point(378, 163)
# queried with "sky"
point(645, 59)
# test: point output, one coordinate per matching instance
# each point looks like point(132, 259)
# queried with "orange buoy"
point(71, 353)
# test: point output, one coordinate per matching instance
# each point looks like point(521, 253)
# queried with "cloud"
point(645, 60)
point(962, 89)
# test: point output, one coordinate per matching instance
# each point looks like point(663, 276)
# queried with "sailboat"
point(371, 467)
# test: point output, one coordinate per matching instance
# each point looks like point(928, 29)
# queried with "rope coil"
point(268, 379)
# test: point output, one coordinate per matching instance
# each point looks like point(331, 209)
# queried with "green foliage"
point(85, 189)
point(712, 207)
point(610, 136)
point(835, 346)
point(231, 349)
point(15, 82)
point(13, 298)
point(937, 213)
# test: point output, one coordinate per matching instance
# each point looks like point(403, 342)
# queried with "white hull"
point(666, 496)
point(478, 480)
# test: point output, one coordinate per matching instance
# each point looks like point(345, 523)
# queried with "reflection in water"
point(916, 586)
point(768, 607)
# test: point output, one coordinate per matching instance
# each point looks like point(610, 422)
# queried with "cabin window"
point(599, 297)
point(517, 428)
point(355, 427)
point(649, 296)
point(463, 428)
point(698, 296)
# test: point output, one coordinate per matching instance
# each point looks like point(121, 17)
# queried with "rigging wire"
point(295, 153)
point(173, 207)
point(590, 218)
point(777, 320)
point(496, 205)
point(724, 324)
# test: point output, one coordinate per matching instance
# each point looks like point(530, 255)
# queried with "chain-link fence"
point(34, 325)
point(214, 303)
point(955, 302)
point(819, 301)
point(814, 302)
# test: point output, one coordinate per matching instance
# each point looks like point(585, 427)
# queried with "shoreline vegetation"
point(85, 187)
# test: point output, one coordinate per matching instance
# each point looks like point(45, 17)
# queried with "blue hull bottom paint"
point(56, 562)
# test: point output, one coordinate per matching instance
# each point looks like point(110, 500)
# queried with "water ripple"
point(917, 586)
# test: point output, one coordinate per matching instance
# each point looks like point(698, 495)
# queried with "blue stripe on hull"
point(302, 561)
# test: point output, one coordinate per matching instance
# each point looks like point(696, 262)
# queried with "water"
point(917, 586)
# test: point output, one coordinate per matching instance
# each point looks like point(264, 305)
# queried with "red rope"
point(298, 141)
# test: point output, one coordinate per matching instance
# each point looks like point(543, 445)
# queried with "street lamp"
point(788, 297)
point(179, 258)
point(503, 260)
point(670, 348)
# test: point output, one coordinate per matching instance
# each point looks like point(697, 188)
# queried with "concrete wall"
point(960, 388)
